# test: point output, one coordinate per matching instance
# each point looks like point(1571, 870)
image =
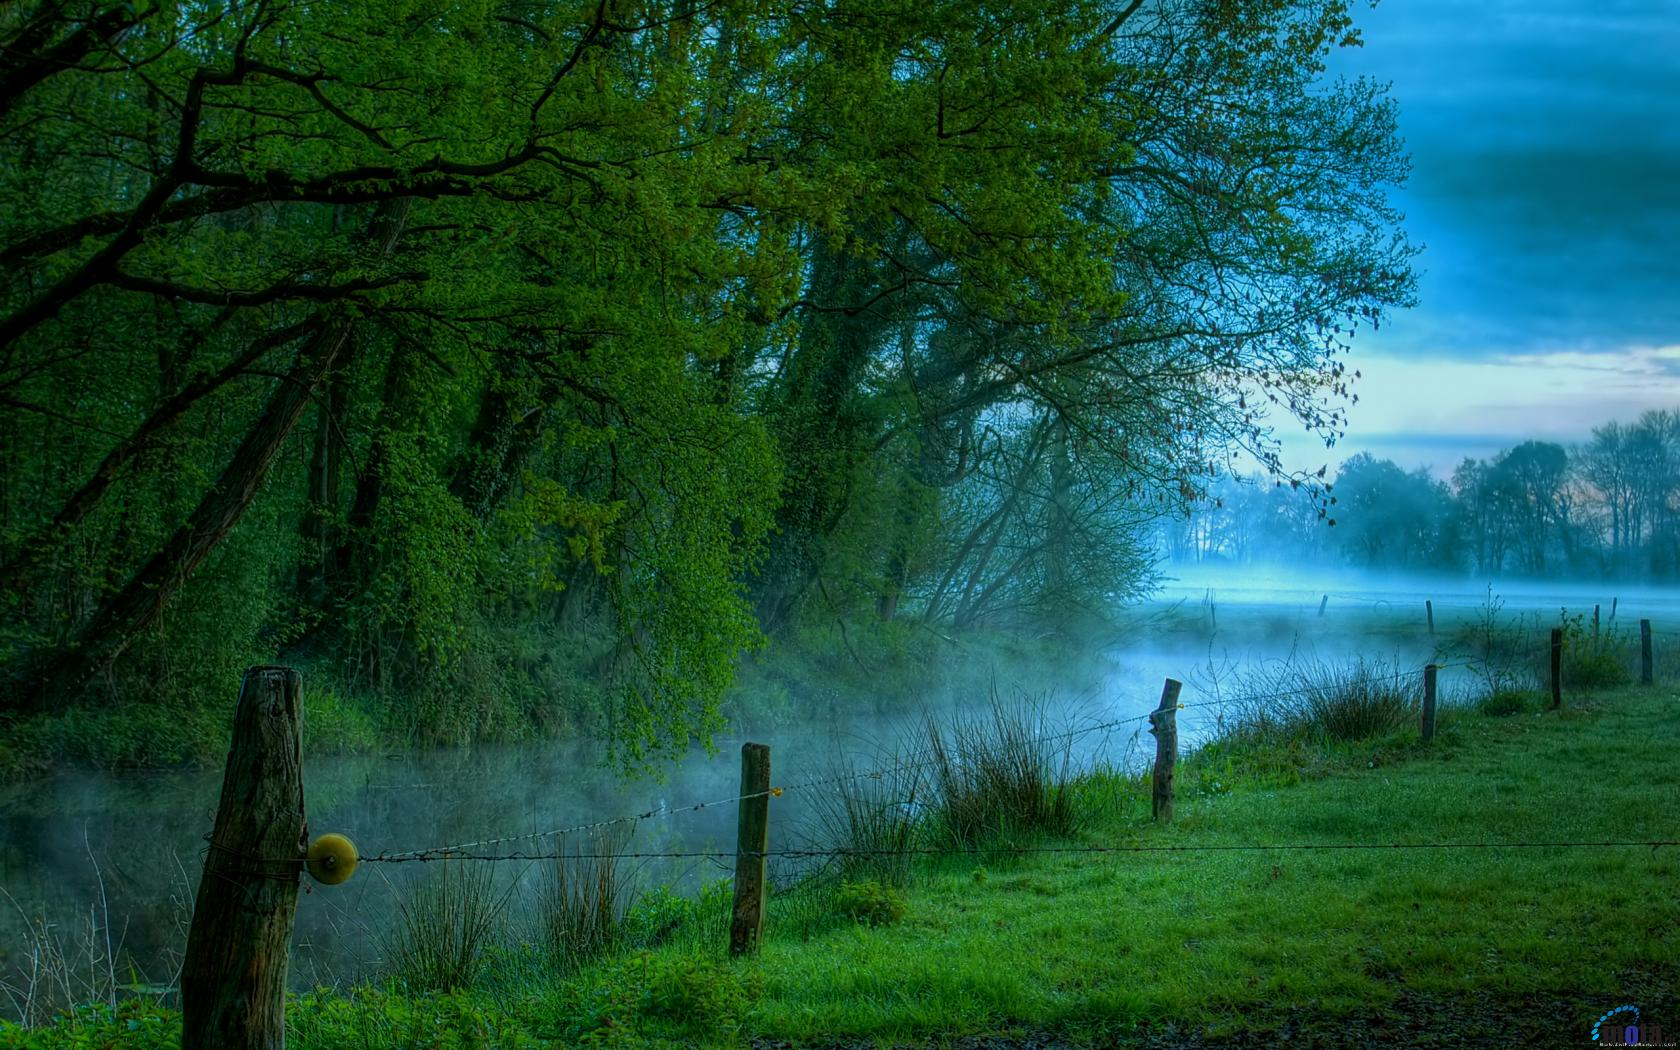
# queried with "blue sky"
point(1545, 190)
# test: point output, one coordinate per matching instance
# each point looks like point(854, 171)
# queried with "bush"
point(1001, 775)
point(1506, 702)
point(1593, 658)
point(869, 903)
point(693, 995)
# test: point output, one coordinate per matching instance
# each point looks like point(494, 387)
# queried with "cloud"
point(1432, 411)
point(1545, 160)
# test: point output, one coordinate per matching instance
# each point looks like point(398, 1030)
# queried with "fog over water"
point(1206, 626)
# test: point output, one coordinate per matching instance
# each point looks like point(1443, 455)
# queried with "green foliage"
point(1593, 658)
point(446, 926)
point(135, 1024)
point(1508, 702)
point(691, 995)
point(869, 903)
point(520, 374)
point(1323, 702)
point(1005, 775)
point(583, 899)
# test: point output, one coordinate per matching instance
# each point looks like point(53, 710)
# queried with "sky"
point(1545, 191)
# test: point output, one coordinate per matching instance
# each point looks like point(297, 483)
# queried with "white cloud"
point(1433, 411)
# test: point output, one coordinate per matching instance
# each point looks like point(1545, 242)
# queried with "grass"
point(999, 776)
point(445, 928)
point(584, 897)
point(1411, 947)
point(1323, 702)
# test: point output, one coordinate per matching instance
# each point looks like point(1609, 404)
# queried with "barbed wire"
point(958, 851)
point(923, 758)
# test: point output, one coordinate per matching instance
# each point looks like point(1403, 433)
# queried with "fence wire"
point(466, 850)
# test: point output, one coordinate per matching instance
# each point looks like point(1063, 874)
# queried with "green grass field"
point(1204, 947)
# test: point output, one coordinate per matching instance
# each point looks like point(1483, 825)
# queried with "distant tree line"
point(1609, 507)
point(525, 362)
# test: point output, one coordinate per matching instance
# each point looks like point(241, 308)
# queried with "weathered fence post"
point(1163, 723)
point(1322, 603)
point(1429, 612)
point(1595, 621)
point(751, 845)
point(1613, 602)
point(1429, 671)
point(1557, 668)
point(1644, 652)
point(233, 977)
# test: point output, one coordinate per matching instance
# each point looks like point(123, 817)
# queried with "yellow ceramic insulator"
point(331, 860)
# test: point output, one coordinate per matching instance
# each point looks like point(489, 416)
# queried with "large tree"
point(504, 360)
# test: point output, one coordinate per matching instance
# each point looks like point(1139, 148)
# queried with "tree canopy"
point(523, 363)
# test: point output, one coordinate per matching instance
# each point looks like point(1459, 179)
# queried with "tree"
point(524, 362)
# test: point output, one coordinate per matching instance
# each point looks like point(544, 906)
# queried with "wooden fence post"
point(1595, 621)
point(751, 845)
point(1163, 723)
point(233, 976)
point(1322, 603)
point(1429, 671)
point(1557, 668)
point(1613, 602)
point(1644, 652)
point(1429, 611)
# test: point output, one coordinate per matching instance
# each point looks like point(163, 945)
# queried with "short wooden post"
point(1429, 671)
point(1595, 620)
point(1557, 668)
point(752, 843)
point(1163, 723)
point(1613, 602)
point(1322, 603)
point(1429, 613)
point(233, 976)
point(1644, 652)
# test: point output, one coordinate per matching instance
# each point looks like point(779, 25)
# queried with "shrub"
point(693, 995)
point(869, 903)
point(1591, 657)
point(655, 917)
point(1506, 702)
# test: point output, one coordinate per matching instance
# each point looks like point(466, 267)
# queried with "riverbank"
point(1209, 944)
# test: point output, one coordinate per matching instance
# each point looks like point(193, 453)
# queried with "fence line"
point(460, 849)
point(958, 851)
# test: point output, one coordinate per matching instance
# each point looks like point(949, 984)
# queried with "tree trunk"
point(114, 627)
point(321, 497)
point(19, 572)
point(821, 426)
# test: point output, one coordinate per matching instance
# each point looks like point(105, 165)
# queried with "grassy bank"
point(1209, 946)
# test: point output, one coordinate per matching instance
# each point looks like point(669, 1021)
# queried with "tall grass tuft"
point(1324, 702)
point(585, 896)
point(1000, 775)
point(445, 928)
point(874, 820)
